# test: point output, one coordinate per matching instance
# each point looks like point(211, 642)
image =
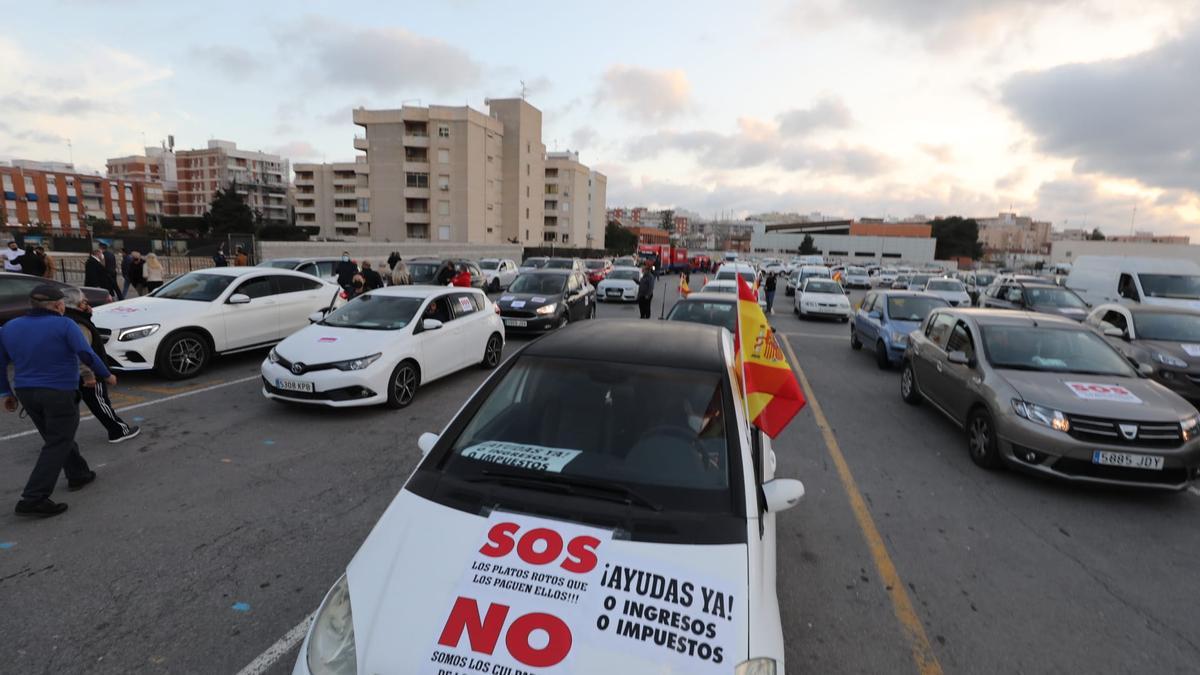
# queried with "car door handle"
point(939, 366)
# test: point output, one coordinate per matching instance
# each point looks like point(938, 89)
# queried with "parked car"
point(620, 427)
point(597, 269)
point(901, 282)
point(856, 277)
point(1153, 281)
point(713, 309)
point(1164, 340)
point(423, 271)
point(731, 271)
point(1047, 395)
point(886, 277)
point(566, 264)
point(977, 282)
point(916, 282)
point(16, 287)
point(822, 298)
point(531, 264)
point(796, 278)
point(952, 291)
point(1035, 297)
point(321, 267)
point(625, 261)
point(380, 347)
point(547, 299)
point(729, 287)
point(181, 326)
point(498, 274)
point(621, 285)
point(884, 320)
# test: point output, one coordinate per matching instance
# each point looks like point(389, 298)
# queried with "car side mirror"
point(431, 324)
point(427, 440)
point(1145, 369)
point(960, 358)
point(782, 493)
point(1113, 331)
point(318, 316)
point(239, 299)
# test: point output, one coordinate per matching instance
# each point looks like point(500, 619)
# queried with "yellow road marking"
point(922, 652)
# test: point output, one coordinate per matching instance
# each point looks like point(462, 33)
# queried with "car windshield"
point(560, 264)
point(489, 264)
point(197, 286)
point(375, 312)
point(859, 271)
point(535, 263)
point(1183, 286)
point(423, 272)
point(659, 432)
point(546, 284)
point(1167, 327)
point(719, 287)
point(912, 309)
point(626, 261)
point(595, 264)
point(279, 264)
point(624, 274)
point(902, 279)
point(731, 275)
point(822, 286)
point(722, 314)
point(945, 285)
point(1053, 297)
point(920, 279)
point(1059, 350)
point(984, 279)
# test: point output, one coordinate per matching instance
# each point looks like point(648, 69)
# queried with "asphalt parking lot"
point(220, 529)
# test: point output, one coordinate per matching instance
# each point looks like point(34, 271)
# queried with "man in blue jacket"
point(45, 349)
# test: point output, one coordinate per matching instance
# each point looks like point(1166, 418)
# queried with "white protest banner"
point(536, 457)
point(1094, 391)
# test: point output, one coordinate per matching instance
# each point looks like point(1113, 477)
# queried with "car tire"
point(854, 343)
point(182, 355)
point(403, 385)
point(881, 356)
point(909, 390)
point(981, 439)
point(492, 352)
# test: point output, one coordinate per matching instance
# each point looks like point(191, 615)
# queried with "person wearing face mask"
point(93, 391)
point(357, 287)
point(345, 271)
point(10, 257)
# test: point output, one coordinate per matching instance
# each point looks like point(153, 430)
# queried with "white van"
point(1169, 282)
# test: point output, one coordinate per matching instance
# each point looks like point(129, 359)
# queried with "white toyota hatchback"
point(178, 328)
point(599, 505)
point(380, 347)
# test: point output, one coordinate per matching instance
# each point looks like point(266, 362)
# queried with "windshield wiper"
point(568, 484)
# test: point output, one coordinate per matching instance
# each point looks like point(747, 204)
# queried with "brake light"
point(343, 295)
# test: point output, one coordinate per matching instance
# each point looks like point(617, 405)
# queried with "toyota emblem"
point(1129, 431)
point(298, 368)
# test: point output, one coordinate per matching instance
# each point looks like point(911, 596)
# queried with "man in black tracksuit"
point(93, 390)
point(345, 271)
point(645, 294)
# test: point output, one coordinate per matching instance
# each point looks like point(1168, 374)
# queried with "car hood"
point(424, 564)
point(902, 327)
point(1125, 398)
point(139, 311)
point(322, 344)
point(617, 283)
point(1189, 352)
point(951, 295)
point(526, 301)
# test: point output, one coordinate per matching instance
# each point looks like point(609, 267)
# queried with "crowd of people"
point(357, 278)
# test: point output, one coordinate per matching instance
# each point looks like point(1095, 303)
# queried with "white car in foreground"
point(824, 298)
point(498, 274)
point(621, 285)
point(380, 347)
point(180, 327)
point(599, 505)
point(952, 291)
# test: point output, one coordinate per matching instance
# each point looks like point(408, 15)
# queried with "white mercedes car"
point(822, 297)
point(380, 347)
point(621, 285)
point(498, 274)
point(179, 328)
point(599, 505)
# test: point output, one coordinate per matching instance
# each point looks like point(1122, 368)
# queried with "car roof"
point(242, 271)
point(1008, 317)
point(907, 294)
point(546, 272)
point(701, 296)
point(682, 345)
point(1143, 308)
point(419, 291)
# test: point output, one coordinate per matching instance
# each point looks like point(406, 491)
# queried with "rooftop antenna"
point(1132, 219)
point(522, 90)
point(70, 152)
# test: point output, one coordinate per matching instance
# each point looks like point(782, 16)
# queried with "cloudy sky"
point(1077, 111)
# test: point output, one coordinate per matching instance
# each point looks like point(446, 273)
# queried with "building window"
point(416, 180)
point(443, 156)
point(526, 190)
point(443, 208)
point(566, 206)
point(527, 213)
point(489, 206)
point(443, 182)
point(443, 131)
point(527, 170)
point(364, 205)
point(444, 233)
point(489, 158)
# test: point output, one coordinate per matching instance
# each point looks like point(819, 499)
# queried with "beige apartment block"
point(597, 209)
point(566, 200)
point(260, 178)
point(430, 174)
point(523, 219)
point(327, 198)
point(1015, 234)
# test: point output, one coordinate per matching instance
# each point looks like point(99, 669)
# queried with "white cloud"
point(645, 94)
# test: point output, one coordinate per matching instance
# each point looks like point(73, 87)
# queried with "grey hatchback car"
point(1047, 395)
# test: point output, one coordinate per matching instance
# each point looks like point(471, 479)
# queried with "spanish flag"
point(773, 396)
point(684, 291)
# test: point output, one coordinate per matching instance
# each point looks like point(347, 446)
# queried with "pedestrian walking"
point(33, 263)
point(400, 275)
point(126, 264)
point(95, 275)
point(769, 286)
point(137, 273)
point(95, 391)
point(345, 271)
point(645, 294)
point(219, 259)
point(240, 259)
point(154, 272)
point(45, 349)
point(110, 268)
point(371, 278)
point(10, 257)
point(392, 259)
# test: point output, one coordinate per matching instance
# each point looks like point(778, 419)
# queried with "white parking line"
point(278, 650)
point(135, 406)
point(816, 335)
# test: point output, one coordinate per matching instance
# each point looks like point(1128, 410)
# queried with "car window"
point(289, 284)
point(869, 302)
point(463, 304)
point(256, 288)
point(902, 308)
point(1117, 319)
point(16, 290)
point(706, 312)
point(1182, 327)
point(374, 312)
point(939, 329)
point(325, 268)
point(573, 284)
point(439, 308)
point(1126, 288)
point(196, 286)
point(1050, 349)
point(960, 340)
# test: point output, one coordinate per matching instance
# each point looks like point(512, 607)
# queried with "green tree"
point(618, 239)
point(1096, 235)
point(957, 237)
point(668, 220)
point(228, 214)
point(806, 246)
point(98, 226)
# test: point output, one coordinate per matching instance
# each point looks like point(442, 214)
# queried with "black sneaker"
point(42, 509)
point(73, 485)
point(134, 431)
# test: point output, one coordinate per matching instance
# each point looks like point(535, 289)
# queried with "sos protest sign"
point(545, 596)
point(1094, 391)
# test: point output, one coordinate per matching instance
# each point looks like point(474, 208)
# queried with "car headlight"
point(899, 338)
point(759, 666)
point(547, 309)
point(357, 364)
point(1040, 414)
point(273, 356)
point(1191, 427)
point(1168, 360)
point(137, 332)
point(331, 641)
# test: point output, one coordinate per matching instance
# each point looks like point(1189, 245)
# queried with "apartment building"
point(327, 198)
point(1147, 237)
point(1011, 233)
point(523, 215)
point(64, 200)
point(566, 203)
point(597, 209)
point(260, 178)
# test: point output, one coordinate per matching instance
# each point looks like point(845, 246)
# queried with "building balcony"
point(416, 141)
point(362, 193)
point(309, 210)
point(362, 217)
point(346, 210)
point(416, 167)
point(416, 193)
point(361, 143)
point(414, 217)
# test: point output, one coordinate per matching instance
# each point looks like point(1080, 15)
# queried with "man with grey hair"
point(93, 391)
point(45, 349)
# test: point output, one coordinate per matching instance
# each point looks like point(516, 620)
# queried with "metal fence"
point(69, 269)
